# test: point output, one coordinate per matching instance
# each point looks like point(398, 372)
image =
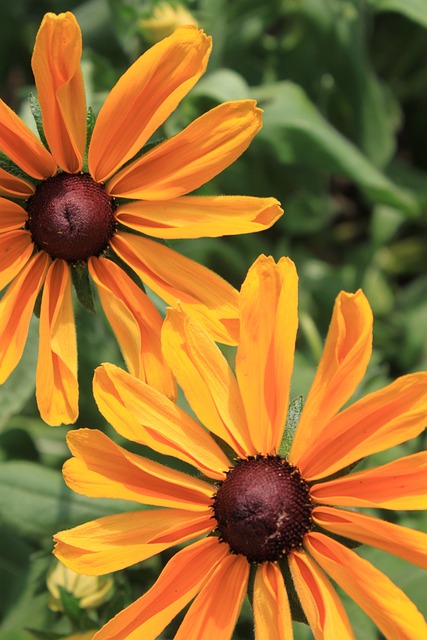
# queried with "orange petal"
point(16, 308)
point(203, 294)
point(379, 421)
point(20, 144)
point(205, 377)
point(180, 580)
point(59, 81)
point(135, 322)
point(342, 366)
point(191, 158)
point(322, 606)
point(114, 542)
point(265, 355)
point(272, 613)
point(16, 248)
point(200, 216)
point(140, 413)
point(144, 97)
point(13, 186)
point(12, 216)
point(391, 610)
point(400, 541)
point(57, 390)
point(214, 612)
point(397, 485)
point(102, 469)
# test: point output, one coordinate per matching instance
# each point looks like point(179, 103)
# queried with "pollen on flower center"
point(263, 508)
point(70, 216)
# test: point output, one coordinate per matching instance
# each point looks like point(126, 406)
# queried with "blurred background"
point(343, 86)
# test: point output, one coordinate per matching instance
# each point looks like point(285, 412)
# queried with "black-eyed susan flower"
point(68, 209)
point(277, 513)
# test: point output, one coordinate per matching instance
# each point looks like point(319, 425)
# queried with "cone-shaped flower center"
point(263, 508)
point(71, 216)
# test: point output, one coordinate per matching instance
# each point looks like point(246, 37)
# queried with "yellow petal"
point(265, 355)
point(342, 366)
point(16, 248)
point(12, 216)
point(59, 81)
point(102, 469)
point(20, 144)
point(180, 580)
point(192, 157)
point(144, 97)
point(391, 610)
point(205, 377)
point(203, 294)
point(200, 216)
point(400, 541)
point(13, 186)
point(272, 613)
point(115, 542)
point(379, 421)
point(397, 485)
point(135, 322)
point(57, 390)
point(140, 413)
point(16, 308)
point(319, 600)
point(214, 612)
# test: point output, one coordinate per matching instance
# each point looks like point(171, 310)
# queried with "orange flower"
point(74, 209)
point(264, 508)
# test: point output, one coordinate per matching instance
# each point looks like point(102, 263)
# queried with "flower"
point(163, 19)
point(262, 508)
point(75, 210)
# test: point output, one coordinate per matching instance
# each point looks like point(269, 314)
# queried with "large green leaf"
point(413, 9)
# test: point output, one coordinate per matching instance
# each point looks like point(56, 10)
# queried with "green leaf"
point(292, 420)
point(413, 9)
point(82, 286)
point(222, 85)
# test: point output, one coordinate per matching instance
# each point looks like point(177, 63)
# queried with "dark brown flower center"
point(263, 508)
point(71, 216)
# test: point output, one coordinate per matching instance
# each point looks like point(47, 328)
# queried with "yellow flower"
point(91, 591)
point(261, 508)
point(164, 19)
point(70, 216)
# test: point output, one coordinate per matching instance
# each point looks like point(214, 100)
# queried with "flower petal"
point(214, 612)
point(200, 216)
point(16, 308)
point(203, 294)
point(102, 469)
point(342, 366)
point(180, 580)
point(140, 413)
point(379, 421)
point(391, 610)
point(192, 157)
point(135, 322)
point(144, 97)
point(205, 377)
point(272, 613)
point(405, 543)
point(16, 248)
point(57, 390)
point(12, 216)
point(319, 600)
point(13, 186)
point(114, 542)
point(59, 81)
point(265, 355)
point(397, 485)
point(20, 144)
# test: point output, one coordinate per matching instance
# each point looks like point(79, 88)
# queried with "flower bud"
point(163, 21)
point(90, 591)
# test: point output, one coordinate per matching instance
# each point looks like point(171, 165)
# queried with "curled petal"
point(272, 613)
point(12, 216)
point(57, 389)
point(342, 366)
point(13, 186)
point(191, 158)
point(144, 97)
point(175, 278)
point(16, 248)
point(59, 81)
point(395, 615)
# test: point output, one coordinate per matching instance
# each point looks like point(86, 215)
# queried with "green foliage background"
point(343, 87)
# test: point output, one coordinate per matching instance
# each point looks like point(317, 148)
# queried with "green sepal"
point(38, 304)
point(90, 124)
point(297, 612)
point(292, 420)
point(37, 115)
point(82, 286)
point(71, 605)
point(12, 168)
